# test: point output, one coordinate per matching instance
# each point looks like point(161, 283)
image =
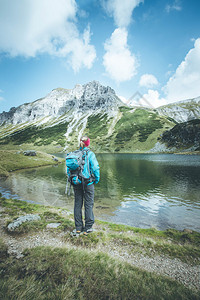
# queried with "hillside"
point(183, 136)
point(182, 111)
point(130, 130)
point(56, 122)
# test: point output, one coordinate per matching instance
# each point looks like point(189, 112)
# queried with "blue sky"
point(150, 46)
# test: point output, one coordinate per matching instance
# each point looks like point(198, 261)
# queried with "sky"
point(138, 47)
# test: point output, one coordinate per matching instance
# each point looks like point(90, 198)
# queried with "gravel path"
point(187, 274)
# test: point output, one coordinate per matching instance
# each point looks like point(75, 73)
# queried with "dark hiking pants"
point(86, 196)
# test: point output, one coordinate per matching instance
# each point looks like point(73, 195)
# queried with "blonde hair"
point(82, 139)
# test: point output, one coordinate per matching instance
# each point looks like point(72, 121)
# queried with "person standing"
point(84, 190)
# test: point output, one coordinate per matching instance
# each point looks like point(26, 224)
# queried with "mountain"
point(185, 135)
point(89, 97)
point(182, 111)
point(56, 122)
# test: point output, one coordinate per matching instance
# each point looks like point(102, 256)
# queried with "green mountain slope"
point(183, 136)
point(128, 130)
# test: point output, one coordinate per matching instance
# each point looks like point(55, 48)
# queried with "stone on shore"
point(53, 225)
point(22, 219)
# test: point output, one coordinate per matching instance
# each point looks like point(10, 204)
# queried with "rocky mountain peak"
point(88, 97)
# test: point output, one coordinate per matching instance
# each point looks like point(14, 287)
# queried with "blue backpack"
point(75, 162)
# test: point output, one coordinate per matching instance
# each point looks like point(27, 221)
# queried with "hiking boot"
point(87, 231)
point(76, 233)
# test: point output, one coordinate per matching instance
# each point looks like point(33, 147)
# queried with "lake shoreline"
point(45, 159)
point(125, 198)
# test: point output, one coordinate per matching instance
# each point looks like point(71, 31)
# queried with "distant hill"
point(56, 122)
point(182, 111)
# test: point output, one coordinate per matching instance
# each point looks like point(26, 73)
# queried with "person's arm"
point(94, 167)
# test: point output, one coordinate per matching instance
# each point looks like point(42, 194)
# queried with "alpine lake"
point(142, 190)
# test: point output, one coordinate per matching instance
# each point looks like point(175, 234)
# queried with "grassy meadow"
point(12, 160)
point(82, 268)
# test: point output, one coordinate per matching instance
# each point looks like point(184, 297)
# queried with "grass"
point(134, 131)
point(3, 250)
point(172, 234)
point(173, 243)
point(86, 273)
point(138, 130)
point(38, 135)
point(11, 160)
point(140, 122)
point(96, 125)
point(46, 273)
point(16, 208)
point(150, 247)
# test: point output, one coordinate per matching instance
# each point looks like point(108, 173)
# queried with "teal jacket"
point(91, 168)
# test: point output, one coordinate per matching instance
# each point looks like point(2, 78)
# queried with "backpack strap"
point(88, 165)
point(85, 181)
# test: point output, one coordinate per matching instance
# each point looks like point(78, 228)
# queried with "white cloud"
point(185, 83)
point(148, 80)
point(118, 61)
point(80, 52)
point(44, 26)
point(123, 99)
point(176, 5)
point(153, 98)
point(121, 10)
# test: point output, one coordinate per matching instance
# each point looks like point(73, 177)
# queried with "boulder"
point(186, 230)
point(22, 219)
point(30, 153)
point(55, 159)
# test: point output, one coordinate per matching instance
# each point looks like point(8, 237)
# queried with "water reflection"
point(140, 190)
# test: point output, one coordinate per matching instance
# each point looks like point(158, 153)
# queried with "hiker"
point(83, 185)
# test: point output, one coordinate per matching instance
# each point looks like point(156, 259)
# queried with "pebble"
point(53, 225)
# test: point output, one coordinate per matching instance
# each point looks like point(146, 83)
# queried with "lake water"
point(141, 190)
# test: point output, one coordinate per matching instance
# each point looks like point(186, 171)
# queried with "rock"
point(186, 230)
point(55, 159)
point(29, 153)
point(102, 207)
point(159, 147)
point(22, 219)
point(53, 225)
point(65, 212)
